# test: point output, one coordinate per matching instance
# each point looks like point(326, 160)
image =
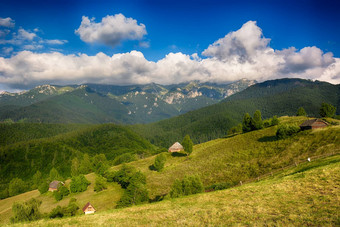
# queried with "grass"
point(291, 198)
point(103, 200)
point(234, 159)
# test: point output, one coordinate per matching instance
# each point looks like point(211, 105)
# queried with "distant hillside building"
point(313, 124)
point(88, 208)
point(176, 147)
point(54, 185)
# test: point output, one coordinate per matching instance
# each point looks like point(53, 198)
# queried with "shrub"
point(27, 211)
point(189, 185)
point(79, 184)
point(136, 192)
point(275, 120)
point(235, 130)
point(124, 158)
point(301, 112)
point(100, 184)
point(159, 162)
point(57, 195)
point(285, 131)
point(57, 212)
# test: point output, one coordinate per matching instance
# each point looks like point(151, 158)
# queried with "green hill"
point(231, 160)
point(24, 158)
point(277, 97)
point(294, 198)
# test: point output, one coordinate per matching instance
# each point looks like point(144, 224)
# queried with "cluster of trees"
point(26, 211)
point(326, 110)
point(67, 211)
point(189, 185)
point(134, 183)
point(253, 123)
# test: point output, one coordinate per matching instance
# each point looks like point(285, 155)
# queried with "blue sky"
point(158, 28)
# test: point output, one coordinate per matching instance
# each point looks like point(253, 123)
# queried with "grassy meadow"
point(304, 194)
point(307, 195)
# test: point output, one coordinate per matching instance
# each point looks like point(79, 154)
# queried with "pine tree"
point(246, 124)
point(187, 144)
point(301, 112)
point(257, 120)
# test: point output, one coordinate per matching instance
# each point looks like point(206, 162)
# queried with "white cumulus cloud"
point(7, 22)
point(245, 53)
point(111, 30)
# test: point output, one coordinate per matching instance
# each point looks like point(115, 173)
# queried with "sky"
point(137, 42)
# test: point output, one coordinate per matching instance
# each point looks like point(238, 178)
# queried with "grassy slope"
point(240, 157)
point(302, 196)
point(278, 97)
point(103, 200)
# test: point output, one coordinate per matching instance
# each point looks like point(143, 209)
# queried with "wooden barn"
point(176, 147)
point(88, 208)
point(313, 124)
point(54, 185)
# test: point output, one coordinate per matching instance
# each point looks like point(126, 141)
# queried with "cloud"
point(244, 53)
point(55, 41)
point(7, 50)
point(7, 22)
point(111, 30)
point(26, 35)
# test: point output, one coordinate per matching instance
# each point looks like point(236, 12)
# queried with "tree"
point(246, 123)
point(257, 121)
point(79, 184)
point(284, 131)
point(187, 144)
point(75, 167)
point(327, 110)
point(27, 211)
point(301, 112)
point(37, 177)
point(54, 175)
point(136, 192)
point(123, 176)
point(43, 187)
point(100, 184)
point(189, 185)
point(85, 165)
point(16, 186)
point(274, 121)
point(235, 130)
point(159, 162)
point(176, 189)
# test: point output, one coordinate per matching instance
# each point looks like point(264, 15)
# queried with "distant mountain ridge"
point(96, 103)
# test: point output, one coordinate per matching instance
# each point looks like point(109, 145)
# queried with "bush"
point(57, 212)
point(301, 112)
point(159, 162)
point(124, 175)
point(100, 184)
point(57, 195)
point(70, 210)
point(79, 184)
point(27, 211)
point(124, 158)
point(275, 120)
point(136, 192)
point(285, 131)
point(235, 130)
point(189, 185)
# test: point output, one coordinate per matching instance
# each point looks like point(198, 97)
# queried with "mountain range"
point(97, 103)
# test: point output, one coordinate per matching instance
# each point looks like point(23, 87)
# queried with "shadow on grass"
point(152, 167)
point(178, 154)
point(267, 139)
point(157, 198)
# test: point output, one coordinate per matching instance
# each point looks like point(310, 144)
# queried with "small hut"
point(313, 124)
point(54, 185)
point(176, 147)
point(88, 208)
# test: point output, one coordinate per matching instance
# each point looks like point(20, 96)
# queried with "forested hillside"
point(276, 97)
point(24, 159)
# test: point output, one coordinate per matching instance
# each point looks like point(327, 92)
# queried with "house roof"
point(86, 206)
point(54, 184)
point(311, 122)
point(176, 146)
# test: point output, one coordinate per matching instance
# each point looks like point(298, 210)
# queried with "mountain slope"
point(95, 103)
point(277, 97)
point(292, 198)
